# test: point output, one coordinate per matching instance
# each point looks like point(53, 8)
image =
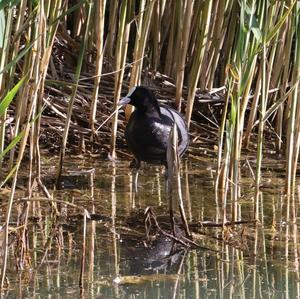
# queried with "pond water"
point(247, 261)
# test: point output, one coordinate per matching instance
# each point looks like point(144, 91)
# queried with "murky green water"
point(259, 261)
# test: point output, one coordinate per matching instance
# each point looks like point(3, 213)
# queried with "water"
point(254, 261)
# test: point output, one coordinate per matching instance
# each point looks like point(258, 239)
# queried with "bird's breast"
point(148, 135)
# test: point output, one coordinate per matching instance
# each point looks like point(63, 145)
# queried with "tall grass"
point(236, 44)
point(88, 9)
point(254, 50)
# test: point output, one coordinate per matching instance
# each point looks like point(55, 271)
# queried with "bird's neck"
point(149, 109)
point(153, 111)
point(152, 108)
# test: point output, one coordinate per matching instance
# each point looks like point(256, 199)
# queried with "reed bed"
point(232, 67)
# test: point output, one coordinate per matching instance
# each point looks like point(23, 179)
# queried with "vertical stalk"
point(13, 189)
point(111, 35)
point(4, 50)
point(99, 34)
point(235, 156)
point(183, 51)
point(74, 91)
point(218, 38)
point(170, 49)
point(196, 64)
point(221, 180)
point(140, 44)
point(134, 77)
point(294, 121)
point(47, 33)
point(121, 54)
point(260, 129)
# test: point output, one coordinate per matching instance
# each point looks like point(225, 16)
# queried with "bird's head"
point(141, 98)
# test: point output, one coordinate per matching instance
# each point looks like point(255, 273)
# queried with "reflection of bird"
point(148, 129)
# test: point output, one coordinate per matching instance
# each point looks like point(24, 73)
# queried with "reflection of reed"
point(295, 256)
point(91, 233)
point(187, 192)
point(159, 187)
point(256, 204)
point(221, 266)
point(263, 241)
point(179, 273)
point(113, 227)
point(265, 266)
point(254, 272)
point(82, 268)
point(131, 191)
point(84, 239)
point(22, 236)
point(195, 269)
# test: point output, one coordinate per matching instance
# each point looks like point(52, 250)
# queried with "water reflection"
point(254, 261)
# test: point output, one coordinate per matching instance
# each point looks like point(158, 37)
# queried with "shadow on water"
point(246, 261)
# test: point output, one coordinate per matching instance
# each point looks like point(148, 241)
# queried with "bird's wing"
point(176, 117)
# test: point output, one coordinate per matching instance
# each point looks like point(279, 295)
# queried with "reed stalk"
point(242, 72)
point(260, 129)
point(179, 16)
point(48, 32)
point(33, 36)
point(6, 101)
point(156, 34)
point(121, 54)
point(99, 36)
point(221, 179)
point(5, 50)
point(135, 76)
point(293, 133)
point(22, 98)
point(282, 115)
point(170, 44)
point(143, 28)
point(198, 59)
point(74, 90)
point(30, 111)
point(253, 110)
point(218, 38)
point(230, 39)
point(185, 34)
point(138, 40)
point(10, 202)
point(111, 34)
point(275, 76)
point(142, 41)
point(266, 79)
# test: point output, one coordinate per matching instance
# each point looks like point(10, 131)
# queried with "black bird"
point(148, 129)
point(148, 136)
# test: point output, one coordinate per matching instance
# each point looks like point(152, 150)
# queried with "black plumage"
point(148, 137)
point(148, 129)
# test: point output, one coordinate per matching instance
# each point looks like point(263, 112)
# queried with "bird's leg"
point(135, 166)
